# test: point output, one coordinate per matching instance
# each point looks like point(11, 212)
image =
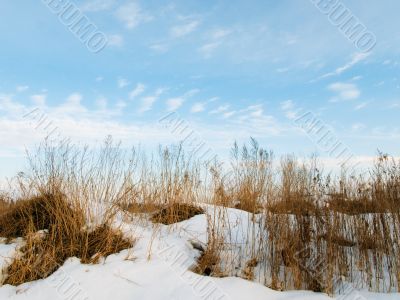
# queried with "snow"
point(156, 268)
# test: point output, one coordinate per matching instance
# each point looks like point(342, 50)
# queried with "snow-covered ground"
point(156, 268)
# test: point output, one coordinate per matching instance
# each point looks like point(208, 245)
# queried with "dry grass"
point(36, 214)
point(64, 237)
point(5, 204)
point(176, 212)
point(209, 262)
point(65, 191)
point(305, 229)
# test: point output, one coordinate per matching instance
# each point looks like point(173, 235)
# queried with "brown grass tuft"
point(176, 212)
point(64, 237)
point(30, 214)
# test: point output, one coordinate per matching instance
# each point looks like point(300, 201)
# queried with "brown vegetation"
point(305, 229)
point(176, 212)
point(63, 237)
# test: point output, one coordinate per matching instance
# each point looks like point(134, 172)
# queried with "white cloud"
point(215, 39)
point(174, 103)
point(220, 109)
point(361, 106)
point(121, 104)
point(22, 88)
point(132, 15)
point(395, 104)
point(191, 93)
point(197, 107)
point(10, 107)
point(344, 91)
point(160, 48)
point(72, 105)
point(290, 110)
point(258, 112)
point(20, 130)
point(286, 105)
point(39, 99)
point(251, 112)
point(228, 114)
point(208, 49)
point(357, 126)
point(101, 103)
point(201, 106)
point(96, 5)
point(185, 29)
point(122, 82)
point(138, 90)
point(282, 70)
point(148, 101)
point(74, 99)
point(116, 40)
point(220, 33)
point(356, 58)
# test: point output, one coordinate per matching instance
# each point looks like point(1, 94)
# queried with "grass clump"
point(30, 214)
point(176, 212)
point(64, 236)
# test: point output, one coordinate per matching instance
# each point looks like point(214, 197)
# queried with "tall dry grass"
point(305, 229)
point(66, 208)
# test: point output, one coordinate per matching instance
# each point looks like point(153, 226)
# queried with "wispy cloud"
point(39, 99)
point(122, 82)
point(361, 106)
point(197, 107)
point(148, 101)
point(97, 5)
point(72, 105)
point(184, 29)
point(116, 40)
point(289, 109)
point(220, 109)
point(201, 106)
point(358, 126)
point(174, 103)
point(101, 103)
point(228, 114)
point(159, 48)
point(22, 88)
point(214, 40)
point(356, 58)
point(132, 15)
point(287, 105)
point(395, 104)
point(344, 91)
point(138, 90)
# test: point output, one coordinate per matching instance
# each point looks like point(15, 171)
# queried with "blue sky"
point(231, 69)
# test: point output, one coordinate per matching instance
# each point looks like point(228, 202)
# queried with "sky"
point(229, 70)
